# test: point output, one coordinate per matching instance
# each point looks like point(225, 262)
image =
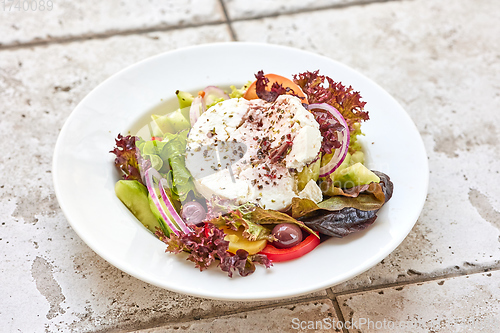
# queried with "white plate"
point(84, 174)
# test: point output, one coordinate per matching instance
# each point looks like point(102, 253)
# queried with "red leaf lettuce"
point(343, 98)
point(205, 244)
point(277, 89)
point(329, 128)
point(126, 160)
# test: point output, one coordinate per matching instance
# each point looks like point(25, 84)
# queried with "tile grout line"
point(330, 295)
point(447, 276)
point(315, 9)
point(300, 300)
point(105, 35)
point(228, 21)
point(336, 306)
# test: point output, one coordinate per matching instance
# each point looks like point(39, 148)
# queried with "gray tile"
point(68, 19)
point(317, 316)
point(69, 287)
point(441, 62)
point(464, 304)
point(242, 9)
point(47, 272)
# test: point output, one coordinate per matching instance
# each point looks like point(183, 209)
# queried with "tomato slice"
point(252, 94)
point(304, 247)
point(156, 138)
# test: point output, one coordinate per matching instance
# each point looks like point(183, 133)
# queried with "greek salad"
point(252, 175)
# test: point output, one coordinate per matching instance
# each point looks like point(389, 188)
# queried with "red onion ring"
point(198, 106)
point(149, 174)
point(343, 137)
point(213, 93)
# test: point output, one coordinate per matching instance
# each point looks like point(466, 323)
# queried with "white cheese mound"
point(233, 151)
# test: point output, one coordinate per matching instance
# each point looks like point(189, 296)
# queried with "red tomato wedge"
point(252, 94)
point(277, 255)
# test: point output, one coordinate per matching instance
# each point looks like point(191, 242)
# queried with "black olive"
point(287, 235)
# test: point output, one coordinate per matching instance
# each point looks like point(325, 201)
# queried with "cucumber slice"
point(134, 195)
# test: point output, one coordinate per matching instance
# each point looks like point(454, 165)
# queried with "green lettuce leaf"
point(235, 219)
point(167, 156)
point(302, 206)
point(218, 100)
point(355, 132)
point(371, 198)
point(253, 219)
point(217, 206)
point(173, 152)
point(339, 216)
point(267, 216)
point(363, 202)
point(367, 197)
point(373, 188)
point(237, 93)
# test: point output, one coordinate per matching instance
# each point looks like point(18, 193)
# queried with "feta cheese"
point(305, 148)
point(312, 192)
point(245, 151)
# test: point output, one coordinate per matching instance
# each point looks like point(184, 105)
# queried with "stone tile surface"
point(47, 272)
point(442, 64)
point(242, 9)
point(316, 316)
point(69, 19)
point(463, 304)
point(440, 60)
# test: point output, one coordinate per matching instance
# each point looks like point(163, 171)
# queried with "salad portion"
point(254, 175)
